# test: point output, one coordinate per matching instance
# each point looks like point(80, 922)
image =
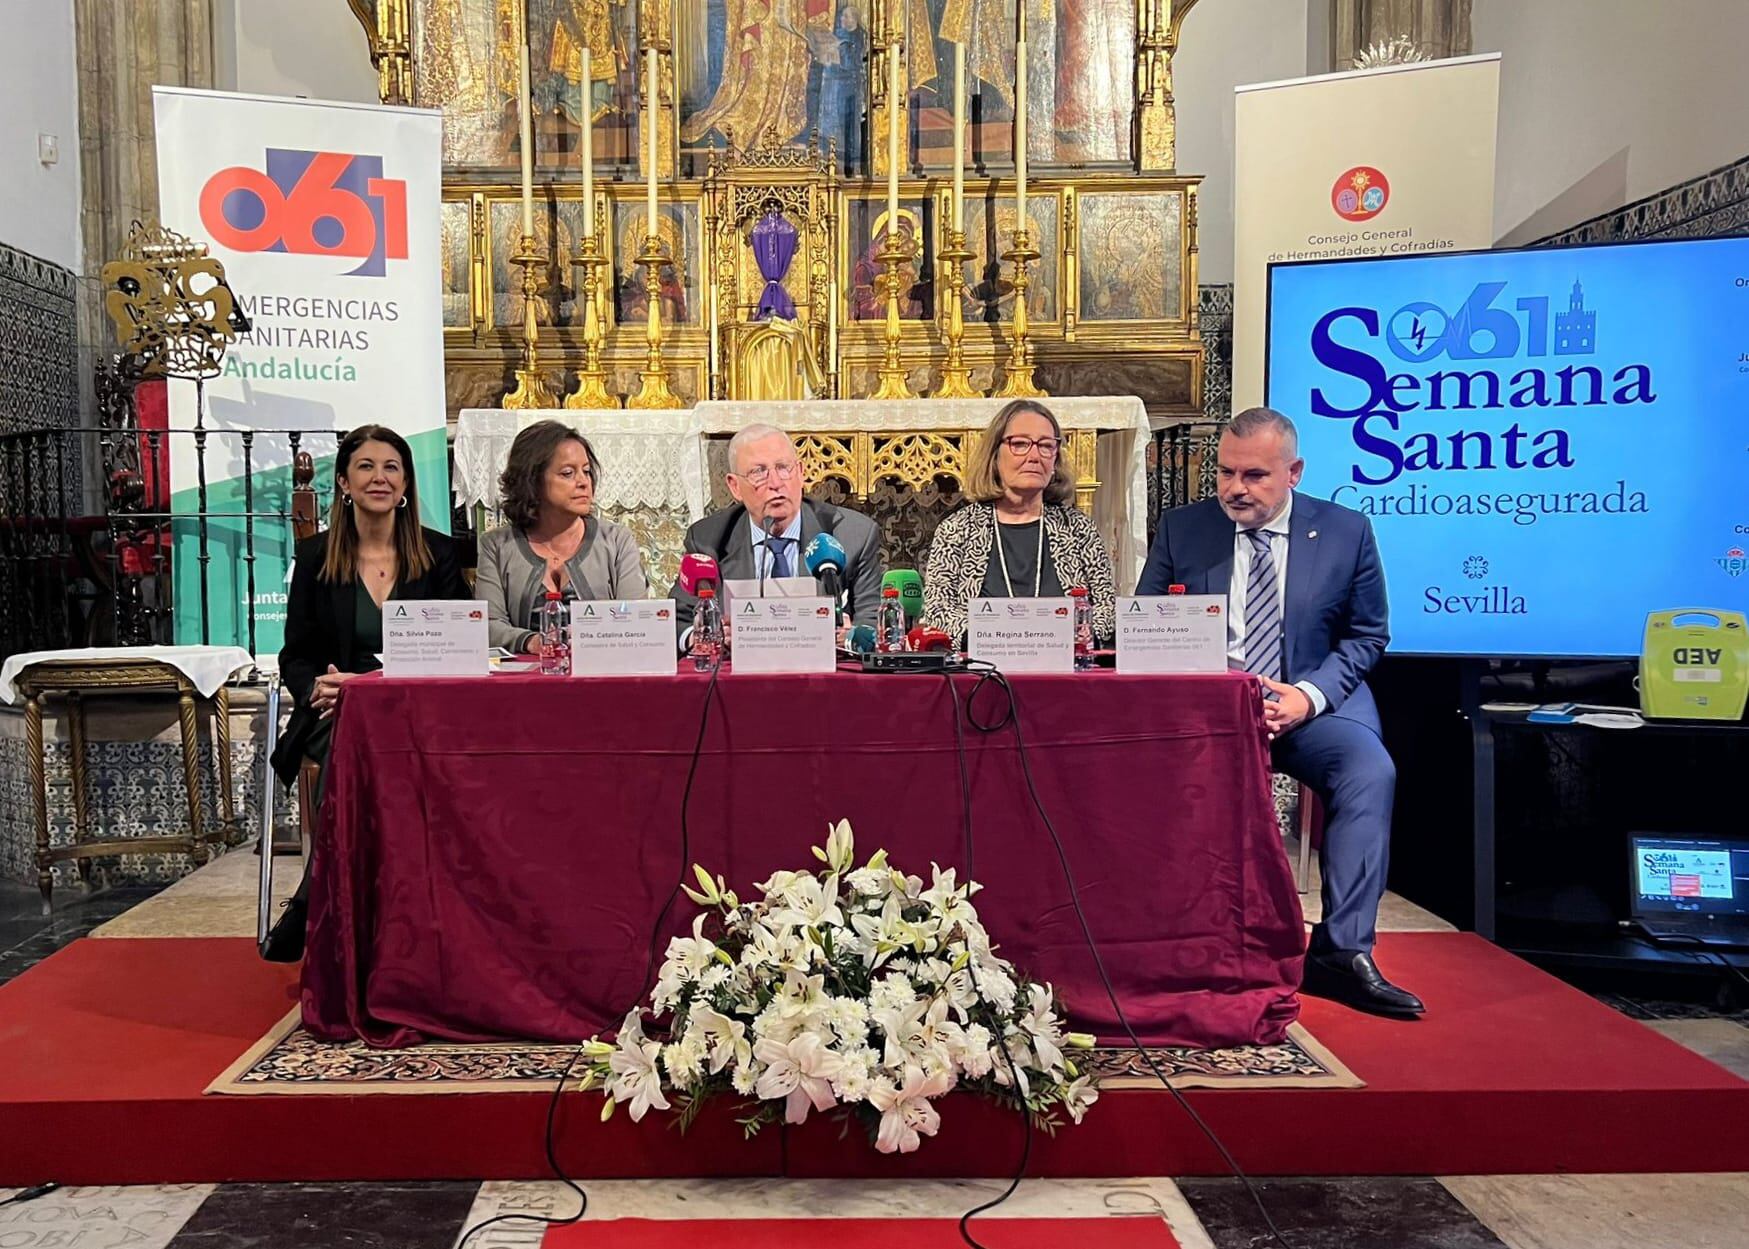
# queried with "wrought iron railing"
point(1181, 466)
point(73, 574)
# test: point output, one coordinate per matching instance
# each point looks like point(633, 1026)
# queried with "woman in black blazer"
point(374, 550)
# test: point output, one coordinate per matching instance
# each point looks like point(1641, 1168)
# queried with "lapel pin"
point(1311, 533)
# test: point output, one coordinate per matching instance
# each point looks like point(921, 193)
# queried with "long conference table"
point(493, 852)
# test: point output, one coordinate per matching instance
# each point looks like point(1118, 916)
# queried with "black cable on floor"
point(704, 718)
point(30, 1194)
point(1011, 717)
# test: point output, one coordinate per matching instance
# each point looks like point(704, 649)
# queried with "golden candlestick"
point(653, 391)
point(1018, 383)
point(892, 372)
point(531, 389)
point(956, 379)
point(591, 389)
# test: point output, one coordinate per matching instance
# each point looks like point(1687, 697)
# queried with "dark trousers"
point(1348, 766)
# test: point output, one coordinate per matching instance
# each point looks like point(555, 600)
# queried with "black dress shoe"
point(1352, 978)
point(285, 940)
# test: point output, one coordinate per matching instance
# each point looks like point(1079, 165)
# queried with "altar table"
point(493, 852)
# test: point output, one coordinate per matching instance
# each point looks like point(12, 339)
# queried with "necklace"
point(1038, 559)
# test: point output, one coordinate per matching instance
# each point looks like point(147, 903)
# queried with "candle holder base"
point(956, 378)
point(592, 392)
point(893, 382)
point(653, 389)
point(531, 389)
point(1017, 382)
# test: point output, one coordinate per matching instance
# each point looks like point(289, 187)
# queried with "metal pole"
point(200, 518)
point(249, 528)
point(264, 845)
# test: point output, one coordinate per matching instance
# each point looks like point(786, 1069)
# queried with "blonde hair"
point(983, 483)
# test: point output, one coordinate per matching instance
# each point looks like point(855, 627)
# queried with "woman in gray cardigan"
point(554, 540)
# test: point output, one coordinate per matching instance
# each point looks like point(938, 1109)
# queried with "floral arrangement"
point(859, 989)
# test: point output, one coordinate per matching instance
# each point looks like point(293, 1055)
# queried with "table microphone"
point(825, 560)
point(910, 591)
point(697, 570)
point(862, 639)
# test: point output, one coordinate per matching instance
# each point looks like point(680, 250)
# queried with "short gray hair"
point(1262, 420)
point(756, 432)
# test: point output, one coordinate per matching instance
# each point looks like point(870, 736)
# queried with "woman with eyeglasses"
point(554, 541)
point(1019, 536)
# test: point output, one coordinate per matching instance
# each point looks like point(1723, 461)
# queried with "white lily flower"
point(1042, 1029)
point(1078, 1096)
point(633, 1065)
point(800, 1072)
point(906, 1115)
point(724, 1039)
point(948, 900)
point(809, 903)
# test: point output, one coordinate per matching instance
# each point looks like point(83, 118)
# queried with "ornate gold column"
point(388, 25)
point(883, 25)
point(1156, 137)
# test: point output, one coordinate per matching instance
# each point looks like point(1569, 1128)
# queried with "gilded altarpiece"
point(1112, 297)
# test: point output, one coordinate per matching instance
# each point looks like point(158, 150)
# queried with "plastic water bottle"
point(555, 652)
point(1083, 628)
point(707, 631)
point(890, 622)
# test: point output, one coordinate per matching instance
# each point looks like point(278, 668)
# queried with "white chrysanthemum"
point(971, 1052)
point(745, 1079)
point(891, 992)
point(869, 883)
point(684, 1061)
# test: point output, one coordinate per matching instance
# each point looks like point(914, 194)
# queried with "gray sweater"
point(509, 578)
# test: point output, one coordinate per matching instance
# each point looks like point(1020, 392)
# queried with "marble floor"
point(1452, 1212)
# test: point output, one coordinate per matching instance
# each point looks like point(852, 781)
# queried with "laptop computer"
point(1691, 889)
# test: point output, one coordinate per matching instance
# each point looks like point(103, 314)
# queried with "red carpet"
point(106, 1047)
point(1113, 1233)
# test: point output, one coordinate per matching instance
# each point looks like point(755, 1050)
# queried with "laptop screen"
point(1691, 876)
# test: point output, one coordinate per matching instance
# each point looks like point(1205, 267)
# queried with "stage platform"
point(107, 1050)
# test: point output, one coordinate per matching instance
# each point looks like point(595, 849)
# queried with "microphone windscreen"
point(910, 586)
point(862, 638)
point(822, 552)
point(697, 570)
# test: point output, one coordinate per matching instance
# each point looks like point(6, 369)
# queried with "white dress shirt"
point(1277, 529)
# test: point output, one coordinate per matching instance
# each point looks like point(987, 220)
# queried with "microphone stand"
point(769, 527)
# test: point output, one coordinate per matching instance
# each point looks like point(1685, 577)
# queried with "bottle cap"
point(704, 591)
point(889, 591)
point(1079, 591)
point(1175, 589)
point(553, 596)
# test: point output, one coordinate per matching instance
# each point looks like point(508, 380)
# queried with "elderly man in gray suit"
point(771, 524)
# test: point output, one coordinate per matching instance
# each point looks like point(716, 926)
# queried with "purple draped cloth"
point(774, 245)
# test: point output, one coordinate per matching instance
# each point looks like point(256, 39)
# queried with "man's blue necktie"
point(780, 559)
point(1262, 611)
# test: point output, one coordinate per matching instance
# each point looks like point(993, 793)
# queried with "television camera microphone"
point(825, 560)
point(910, 586)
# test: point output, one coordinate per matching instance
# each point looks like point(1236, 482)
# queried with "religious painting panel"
point(455, 218)
point(464, 57)
point(772, 70)
point(679, 288)
point(990, 232)
point(1080, 80)
point(1132, 261)
point(556, 229)
point(865, 232)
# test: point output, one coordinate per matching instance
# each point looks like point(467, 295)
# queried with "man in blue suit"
point(1306, 614)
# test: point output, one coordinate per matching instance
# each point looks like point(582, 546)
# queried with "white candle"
point(1020, 115)
point(588, 145)
point(959, 136)
point(895, 41)
point(527, 102)
point(651, 112)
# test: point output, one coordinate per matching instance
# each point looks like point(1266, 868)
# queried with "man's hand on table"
point(1287, 711)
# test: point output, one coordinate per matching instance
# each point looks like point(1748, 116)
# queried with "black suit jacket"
point(725, 537)
point(318, 631)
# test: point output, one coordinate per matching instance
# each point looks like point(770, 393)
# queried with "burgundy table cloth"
point(494, 851)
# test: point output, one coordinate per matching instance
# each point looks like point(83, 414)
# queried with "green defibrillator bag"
point(1695, 665)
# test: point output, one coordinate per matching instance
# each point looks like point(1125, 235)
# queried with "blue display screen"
point(1550, 443)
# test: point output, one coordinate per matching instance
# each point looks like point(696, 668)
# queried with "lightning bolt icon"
point(1419, 334)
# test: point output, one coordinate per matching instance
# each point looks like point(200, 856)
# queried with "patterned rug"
point(290, 1060)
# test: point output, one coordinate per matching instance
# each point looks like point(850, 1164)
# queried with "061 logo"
point(310, 204)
